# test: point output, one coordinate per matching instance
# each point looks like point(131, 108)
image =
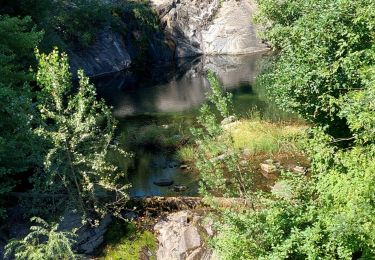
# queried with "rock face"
point(183, 22)
point(179, 237)
point(231, 31)
point(209, 26)
point(189, 28)
point(107, 54)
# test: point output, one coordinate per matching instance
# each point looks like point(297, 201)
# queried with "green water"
point(171, 94)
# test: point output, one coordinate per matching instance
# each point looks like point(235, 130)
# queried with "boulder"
point(299, 170)
point(179, 237)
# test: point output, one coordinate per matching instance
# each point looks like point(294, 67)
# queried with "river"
point(164, 93)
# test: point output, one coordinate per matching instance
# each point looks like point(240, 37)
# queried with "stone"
point(163, 182)
point(178, 237)
point(299, 170)
point(184, 166)
point(268, 168)
point(180, 188)
point(228, 120)
point(107, 54)
point(88, 237)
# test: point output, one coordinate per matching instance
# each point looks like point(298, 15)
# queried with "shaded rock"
point(163, 182)
point(268, 168)
point(107, 54)
point(88, 237)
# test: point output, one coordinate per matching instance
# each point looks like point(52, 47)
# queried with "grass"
point(124, 241)
point(260, 136)
point(186, 153)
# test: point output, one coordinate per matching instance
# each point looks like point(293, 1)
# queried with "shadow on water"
point(171, 92)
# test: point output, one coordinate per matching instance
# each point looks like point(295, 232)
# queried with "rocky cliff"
point(187, 28)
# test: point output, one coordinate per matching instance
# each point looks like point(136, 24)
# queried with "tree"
point(80, 129)
point(322, 47)
point(18, 149)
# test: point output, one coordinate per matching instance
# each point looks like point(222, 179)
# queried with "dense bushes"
point(323, 46)
point(323, 70)
point(18, 38)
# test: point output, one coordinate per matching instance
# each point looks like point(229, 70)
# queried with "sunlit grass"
point(260, 136)
point(186, 153)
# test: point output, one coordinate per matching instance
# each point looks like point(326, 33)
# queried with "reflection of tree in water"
point(176, 87)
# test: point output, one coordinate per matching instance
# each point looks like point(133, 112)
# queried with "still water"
point(173, 92)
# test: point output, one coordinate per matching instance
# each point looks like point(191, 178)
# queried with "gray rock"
point(299, 170)
point(228, 120)
point(268, 168)
point(88, 237)
point(231, 31)
point(209, 27)
point(107, 54)
point(179, 238)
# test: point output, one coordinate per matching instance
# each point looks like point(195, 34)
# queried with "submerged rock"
point(163, 182)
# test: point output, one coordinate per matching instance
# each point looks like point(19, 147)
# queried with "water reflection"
point(176, 87)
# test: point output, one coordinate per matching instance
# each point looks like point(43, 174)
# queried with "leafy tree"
point(18, 149)
point(322, 48)
point(80, 129)
point(43, 242)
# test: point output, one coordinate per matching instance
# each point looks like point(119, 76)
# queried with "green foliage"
point(43, 242)
point(80, 130)
point(18, 147)
point(324, 71)
point(323, 48)
point(215, 157)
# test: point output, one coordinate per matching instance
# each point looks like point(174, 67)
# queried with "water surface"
point(164, 93)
